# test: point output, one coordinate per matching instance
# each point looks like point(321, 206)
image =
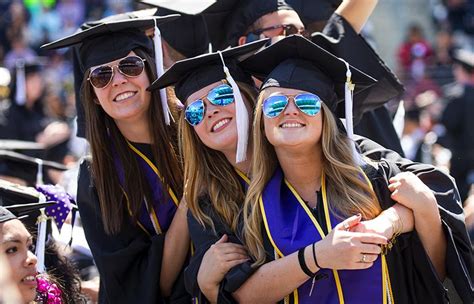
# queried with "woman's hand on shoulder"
point(217, 261)
point(345, 249)
point(408, 190)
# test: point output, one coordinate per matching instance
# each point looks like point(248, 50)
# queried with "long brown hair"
point(338, 166)
point(106, 141)
point(207, 172)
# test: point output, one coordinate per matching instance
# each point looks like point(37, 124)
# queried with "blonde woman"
point(311, 194)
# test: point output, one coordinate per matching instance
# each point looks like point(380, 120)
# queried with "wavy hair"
point(338, 166)
point(207, 172)
point(106, 141)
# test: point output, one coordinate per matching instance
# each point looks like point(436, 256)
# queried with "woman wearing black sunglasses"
point(129, 192)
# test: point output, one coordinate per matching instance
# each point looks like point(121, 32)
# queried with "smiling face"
point(218, 129)
point(16, 242)
point(125, 99)
point(292, 129)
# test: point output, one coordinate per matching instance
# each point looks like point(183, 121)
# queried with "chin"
point(28, 295)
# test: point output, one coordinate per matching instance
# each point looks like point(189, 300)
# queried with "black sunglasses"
point(286, 30)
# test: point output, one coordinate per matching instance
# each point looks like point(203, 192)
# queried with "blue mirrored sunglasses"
point(309, 104)
point(221, 95)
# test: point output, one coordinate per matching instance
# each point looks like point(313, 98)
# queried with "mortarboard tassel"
point(348, 106)
point(160, 71)
point(41, 239)
point(20, 95)
point(39, 174)
point(242, 116)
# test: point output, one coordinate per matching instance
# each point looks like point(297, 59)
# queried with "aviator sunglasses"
point(130, 66)
point(277, 30)
point(221, 95)
point(309, 104)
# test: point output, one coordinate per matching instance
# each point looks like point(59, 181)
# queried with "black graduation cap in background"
point(20, 201)
point(296, 62)
point(339, 38)
point(23, 68)
point(314, 10)
point(188, 33)
point(25, 167)
point(246, 13)
point(464, 58)
point(192, 74)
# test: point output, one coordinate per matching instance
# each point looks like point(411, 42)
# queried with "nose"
point(31, 259)
point(291, 108)
point(117, 77)
point(211, 109)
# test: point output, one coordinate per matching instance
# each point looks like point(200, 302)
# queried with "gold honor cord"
point(155, 169)
point(130, 211)
point(385, 273)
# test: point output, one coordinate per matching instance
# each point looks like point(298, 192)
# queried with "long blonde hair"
point(339, 169)
point(207, 172)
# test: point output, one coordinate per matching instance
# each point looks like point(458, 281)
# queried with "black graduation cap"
point(188, 33)
point(464, 58)
point(311, 11)
point(110, 40)
point(193, 74)
point(246, 13)
point(23, 68)
point(18, 201)
point(25, 167)
point(339, 38)
point(296, 62)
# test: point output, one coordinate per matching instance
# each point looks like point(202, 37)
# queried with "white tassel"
point(39, 174)
point(160, 71)
point(242, 116)
point(348, 106)
point(20, 95)
point(41, 239)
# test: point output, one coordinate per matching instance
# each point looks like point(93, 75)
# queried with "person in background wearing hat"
point(457, 118)
point(25, 118)
point(128, 193)
point(307, 178)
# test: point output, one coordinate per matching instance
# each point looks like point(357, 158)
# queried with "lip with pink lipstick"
point(220, 124)
point(125, 96)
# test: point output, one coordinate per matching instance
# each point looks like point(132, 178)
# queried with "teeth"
point(29, 278)
point(220, 124)
point(124, 96)
point(291, 125)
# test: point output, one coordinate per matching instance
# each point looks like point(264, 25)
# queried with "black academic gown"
point(129, 262)
point(459, 123)
point(411, 273)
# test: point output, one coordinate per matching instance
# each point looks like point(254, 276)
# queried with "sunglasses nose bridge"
point(291, 108)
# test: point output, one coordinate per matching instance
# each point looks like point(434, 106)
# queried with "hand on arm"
point(175, 250)
point(217, 261)
point(408, 190)
point(340, 249)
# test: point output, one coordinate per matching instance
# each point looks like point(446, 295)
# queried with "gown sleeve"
point(409, 258)
point(202, 238)
point(129, 262)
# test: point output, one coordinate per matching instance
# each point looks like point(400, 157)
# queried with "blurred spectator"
point(414, 54)
point(20, 50)
point(441, 71)
point(459, 122)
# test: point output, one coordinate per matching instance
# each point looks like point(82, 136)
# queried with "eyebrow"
point(16, 240)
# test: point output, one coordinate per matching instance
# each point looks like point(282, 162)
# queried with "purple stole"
point(290, 225)
point(155, 217)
